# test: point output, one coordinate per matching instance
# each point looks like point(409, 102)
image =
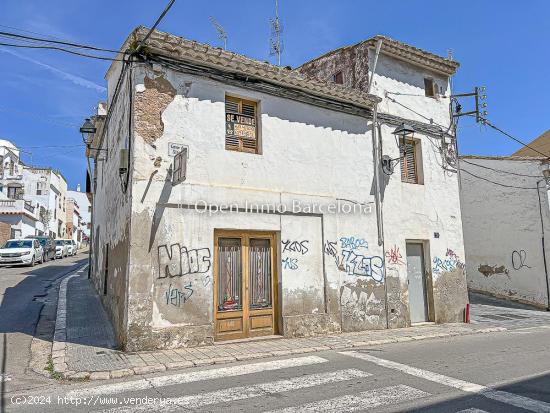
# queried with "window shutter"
point(241, 131)
point(408, 162)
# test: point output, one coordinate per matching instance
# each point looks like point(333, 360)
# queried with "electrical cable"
point(498, 170)
point(64, 43)
point(486, 122)
point(497, 183)
point(24, 46)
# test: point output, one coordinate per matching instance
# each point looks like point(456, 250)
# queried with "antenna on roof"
point(222, 35)
point(276, 43)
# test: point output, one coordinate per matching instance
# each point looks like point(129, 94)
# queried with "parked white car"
point(61, 248)
point(21, 252)
point(71, 247)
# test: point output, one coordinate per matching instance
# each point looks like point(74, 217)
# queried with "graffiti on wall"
point(354, 263)
point(352, 243)
point(295, 246)
point(519, 260)
point(394, 257)
point(290, 247)
point(290, 263)
point(177, 261)
point(177, 297)
point(451, 262)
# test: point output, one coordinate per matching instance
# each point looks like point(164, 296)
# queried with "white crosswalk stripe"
point(194, 376)
point(248, 392)
point(512, 399)
point(362, 401)
point(472, 410)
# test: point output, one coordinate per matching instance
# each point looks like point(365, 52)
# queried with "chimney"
point(78, 188)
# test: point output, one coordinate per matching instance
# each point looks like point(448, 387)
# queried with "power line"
point(64, 43)
point(24, 46)
point(486, 122)
point(497, 183)
point(142, 43)
point(499, 170)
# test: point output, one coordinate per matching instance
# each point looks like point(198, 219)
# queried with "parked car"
point(61, 249)
point(75, 247)
point(48, 245)
point(21, 252)
point(71, 247)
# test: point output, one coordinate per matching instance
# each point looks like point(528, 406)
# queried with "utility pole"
point(479, 95)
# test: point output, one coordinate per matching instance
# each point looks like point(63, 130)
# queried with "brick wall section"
point(5, 232)
point(352, 61)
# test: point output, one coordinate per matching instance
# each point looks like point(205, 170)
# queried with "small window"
point(241, 126)
point(409, 158)
point(430, 88)
point(40, 188)
point(338, 78)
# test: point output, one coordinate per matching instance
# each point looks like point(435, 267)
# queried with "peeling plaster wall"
point(502, 229)
point(411, 212)
point(112, 217)
point(353, 62)
point(309, 155)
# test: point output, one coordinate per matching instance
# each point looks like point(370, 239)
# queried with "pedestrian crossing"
point(301, 385)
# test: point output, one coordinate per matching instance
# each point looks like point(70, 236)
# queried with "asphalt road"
point(498, 372)
point(22, 294)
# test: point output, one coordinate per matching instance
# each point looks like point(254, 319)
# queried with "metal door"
point(245, 280)
point(417, 283)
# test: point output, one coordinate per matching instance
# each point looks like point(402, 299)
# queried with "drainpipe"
point(378, 47)
point(377, 156)
point(91, 221)
point(544, 249)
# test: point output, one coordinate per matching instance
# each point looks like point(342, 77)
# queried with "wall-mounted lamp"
point(404, 131)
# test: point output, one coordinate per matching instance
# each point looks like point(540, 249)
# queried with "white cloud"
point(77, 80)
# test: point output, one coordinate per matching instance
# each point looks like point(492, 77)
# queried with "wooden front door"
point(245, 287)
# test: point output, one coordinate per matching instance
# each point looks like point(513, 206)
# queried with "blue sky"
point(45, 95)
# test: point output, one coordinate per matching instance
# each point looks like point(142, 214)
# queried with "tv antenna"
point(276, 43)
point(222, 35)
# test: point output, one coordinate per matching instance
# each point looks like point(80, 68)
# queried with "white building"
point(506, 220)
point(48, 188)
point(276, 216)
point(85, 211)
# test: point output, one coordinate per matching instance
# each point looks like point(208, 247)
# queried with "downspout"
point(90, 238)
point(544, 250)
point(377, 156)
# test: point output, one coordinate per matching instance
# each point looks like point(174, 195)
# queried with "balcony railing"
point(17, 206)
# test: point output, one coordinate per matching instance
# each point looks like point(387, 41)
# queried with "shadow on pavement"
point(477, 298)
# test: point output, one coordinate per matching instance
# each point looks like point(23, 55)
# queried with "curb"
point(42, 349)
point(160, 367)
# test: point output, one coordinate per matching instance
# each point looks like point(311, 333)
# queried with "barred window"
point(241, 126)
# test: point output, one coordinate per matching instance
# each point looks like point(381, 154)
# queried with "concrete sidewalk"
point(84, 346)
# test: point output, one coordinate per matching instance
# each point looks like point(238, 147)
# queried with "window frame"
point(403, 161)
point(335, 77)
point(241, 143)
point(433, 91)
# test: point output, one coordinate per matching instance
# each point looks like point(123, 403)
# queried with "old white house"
point(233, 198)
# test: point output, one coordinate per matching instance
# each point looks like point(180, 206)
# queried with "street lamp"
point(404, 131)
point(87, 129)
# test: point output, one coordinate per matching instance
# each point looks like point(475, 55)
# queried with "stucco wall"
point(308, 155)
point(502, 228)
point(112, 218)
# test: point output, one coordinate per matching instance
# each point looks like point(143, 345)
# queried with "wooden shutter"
point(408, 162)
point(241, 125)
